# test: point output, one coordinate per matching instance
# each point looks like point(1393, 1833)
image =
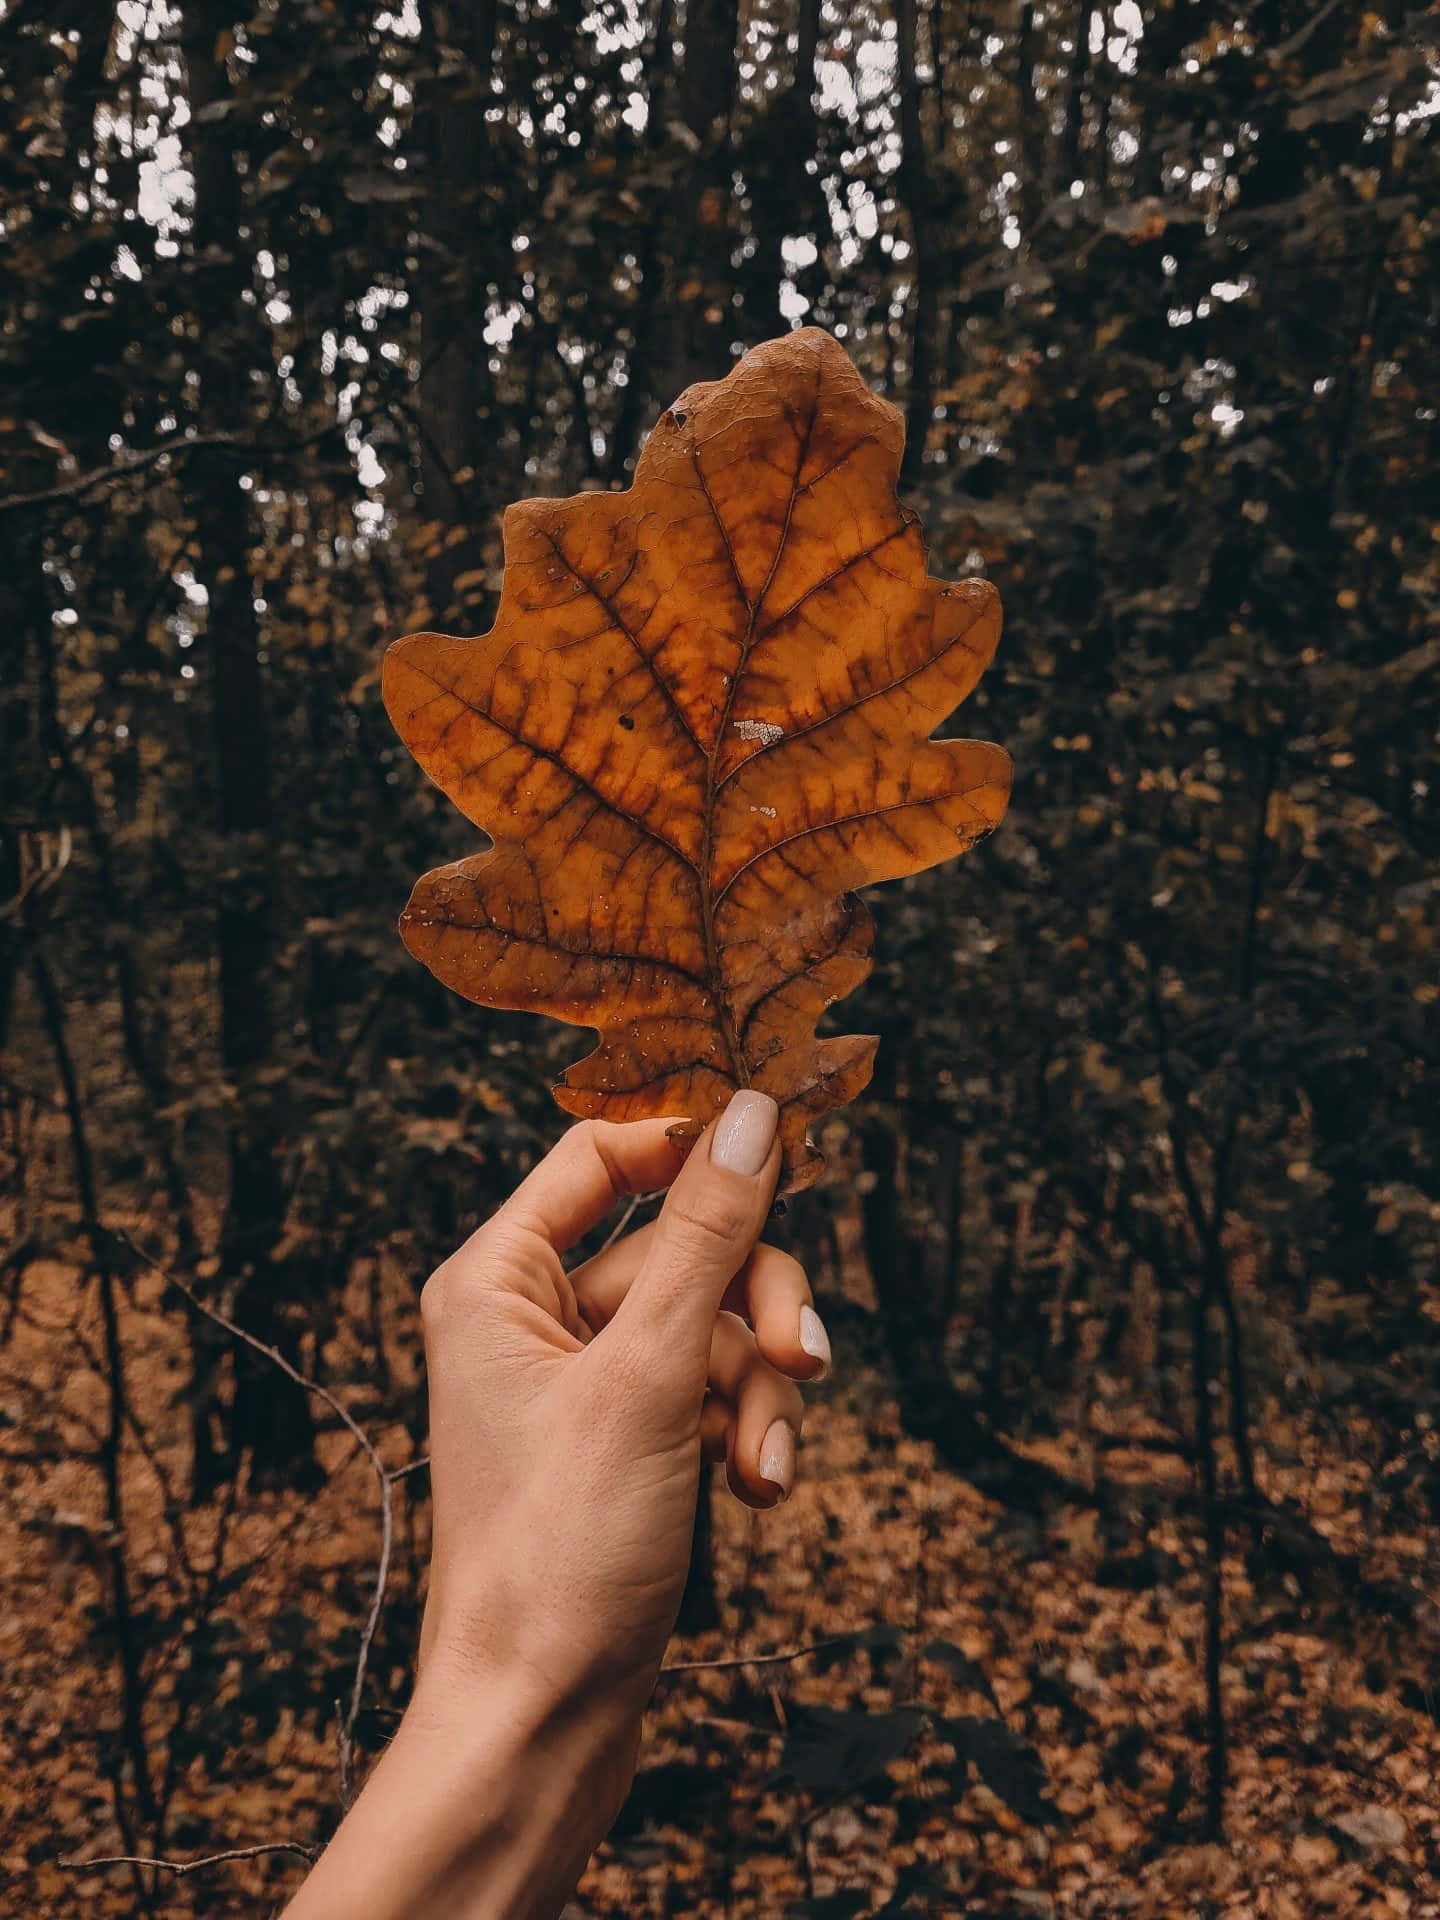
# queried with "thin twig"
point(410, 1466)
point(181, 1867)
point(623, 1222)
point(118, 470)
point(1297, 40)
point(764, 1659)
point(85, 483)
point(383, 1479)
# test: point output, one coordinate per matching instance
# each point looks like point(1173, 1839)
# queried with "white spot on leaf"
point(765, 731)
point(769, 812)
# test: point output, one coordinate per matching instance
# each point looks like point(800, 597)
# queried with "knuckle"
point(713, 1217)
point(596, 1137)
point(732, 1351)
point(528, 1262)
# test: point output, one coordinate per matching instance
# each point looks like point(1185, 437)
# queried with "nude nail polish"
point(814, 1340)
point(746, 1132)
point(777, 1456)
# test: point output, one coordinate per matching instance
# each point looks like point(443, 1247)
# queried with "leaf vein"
point(554, 759)
point(619, 626)
point(844, 820)
point(841, 713)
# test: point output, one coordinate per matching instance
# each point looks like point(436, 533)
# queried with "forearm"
point(485, 1806)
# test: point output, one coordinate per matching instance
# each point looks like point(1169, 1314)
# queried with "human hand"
point(569, 1415)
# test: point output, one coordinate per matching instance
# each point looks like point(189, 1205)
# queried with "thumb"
point(711, 1219)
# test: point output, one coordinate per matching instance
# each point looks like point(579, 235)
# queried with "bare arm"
point(569, 1416)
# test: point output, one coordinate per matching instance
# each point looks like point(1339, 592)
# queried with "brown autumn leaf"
point(701, 719)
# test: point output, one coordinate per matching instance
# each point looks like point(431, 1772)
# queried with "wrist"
point(488, 1802)
point(543, 1662)
point(526, 1783)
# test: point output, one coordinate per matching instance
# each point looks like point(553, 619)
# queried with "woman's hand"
point(569, 1414)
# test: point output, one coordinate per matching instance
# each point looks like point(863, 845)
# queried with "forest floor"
point(1023, 1739)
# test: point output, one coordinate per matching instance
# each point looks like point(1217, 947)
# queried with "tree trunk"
point(1030, 125)
point(276, 1429)
point(784, 199)
point(651, 258)
point(707, 86)
point(1075, 103)
point(455, 261)
point(699, 1608)
point(703, 317)
point(917, 190)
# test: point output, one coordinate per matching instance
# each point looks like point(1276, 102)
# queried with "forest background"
point(1112, 1584)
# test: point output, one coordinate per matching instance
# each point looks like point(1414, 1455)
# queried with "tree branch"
point(771, 1659)
point(86, 483)
point(181, 1867)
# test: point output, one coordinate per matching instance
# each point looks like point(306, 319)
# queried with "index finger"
point(586, 1172)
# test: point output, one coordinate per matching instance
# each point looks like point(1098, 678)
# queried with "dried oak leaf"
point(701, 718)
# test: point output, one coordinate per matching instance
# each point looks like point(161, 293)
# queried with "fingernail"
point(777, 1456)
point(814, 1339)
point(746, 1132)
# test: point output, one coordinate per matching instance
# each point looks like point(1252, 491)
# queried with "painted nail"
point(814, 1339)
point(777, 1456)
point(746, 1133)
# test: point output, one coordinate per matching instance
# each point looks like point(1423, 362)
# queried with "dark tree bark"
point(1166, 33)
point(707, 84)
point(1029, 123)
point(909, 1308)
point(127, 1765)
point(784, 199)
point(914, 1312)
point(1216, 1762)
point(699, 290)
point(455, 258)
point(699, 1607)
point(650, 257)
point(916, 185)
point(275, 1429)
point(1069, 170)
point(142, 1024)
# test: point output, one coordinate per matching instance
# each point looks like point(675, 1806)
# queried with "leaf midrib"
point(730, 1032)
